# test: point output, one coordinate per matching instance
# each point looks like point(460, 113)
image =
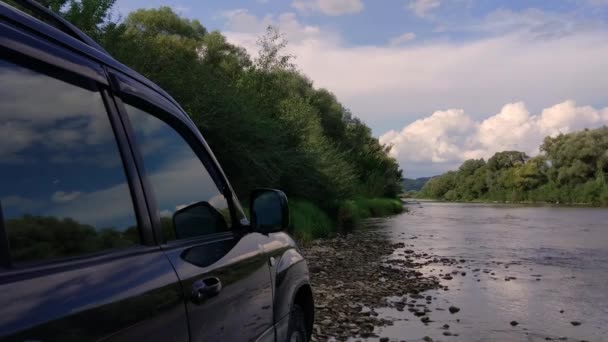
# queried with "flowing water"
point(558, 255)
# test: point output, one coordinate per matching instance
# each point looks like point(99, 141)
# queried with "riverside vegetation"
point(571, 169)
point(268, 125)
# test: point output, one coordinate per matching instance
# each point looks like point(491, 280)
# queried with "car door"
point(223, 269)
point(78, 261)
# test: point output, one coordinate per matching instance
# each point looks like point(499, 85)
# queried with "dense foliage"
point(266, 122)
point(572, 168)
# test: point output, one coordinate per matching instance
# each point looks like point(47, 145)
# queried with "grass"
point(309, 222)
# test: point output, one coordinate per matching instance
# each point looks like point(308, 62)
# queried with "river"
point(557, 255)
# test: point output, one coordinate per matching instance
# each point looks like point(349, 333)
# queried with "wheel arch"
point(304, 298)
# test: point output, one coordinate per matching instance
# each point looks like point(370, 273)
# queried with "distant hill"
point(410, 184)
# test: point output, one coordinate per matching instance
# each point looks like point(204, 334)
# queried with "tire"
point(297, 325)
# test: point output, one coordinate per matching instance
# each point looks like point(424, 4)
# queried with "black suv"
point(116, 221)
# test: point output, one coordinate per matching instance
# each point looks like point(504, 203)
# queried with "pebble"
point(354, 274)
point(514, 323)
point(454, 309)
point(575, 323)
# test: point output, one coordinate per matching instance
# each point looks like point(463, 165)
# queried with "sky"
point(441, 81)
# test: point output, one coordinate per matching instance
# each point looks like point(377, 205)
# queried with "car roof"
point(76, 41)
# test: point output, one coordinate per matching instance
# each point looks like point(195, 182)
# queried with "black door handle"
point(206, 288)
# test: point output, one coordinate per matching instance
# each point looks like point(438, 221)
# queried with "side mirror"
point(198, 219)
point(269, 211)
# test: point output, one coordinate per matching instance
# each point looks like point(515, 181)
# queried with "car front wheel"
point(297, 325)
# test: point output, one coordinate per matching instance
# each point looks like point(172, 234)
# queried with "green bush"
point(308, 222)
point(352, 211)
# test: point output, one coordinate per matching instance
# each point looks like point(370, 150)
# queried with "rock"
point(446, 326)
point(354, 274)
point(383, 339)
point(575, 323)
point(561, 311)
point(425, 319)
point(447, 333)
point(514, 323)
point(454, 309)
point(427, 339)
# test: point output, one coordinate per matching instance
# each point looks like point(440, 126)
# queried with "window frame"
point(131, 92)
point(25, 50)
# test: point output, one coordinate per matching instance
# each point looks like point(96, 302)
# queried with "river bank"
point(528, 203)
point(465, 272)
point(308, 221)
point(356, 275)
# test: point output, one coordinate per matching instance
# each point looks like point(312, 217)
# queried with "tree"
point(266, 122)
point(571, 169)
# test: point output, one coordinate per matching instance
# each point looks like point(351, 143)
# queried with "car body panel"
point(242, 310)
point(108, 298)
point(289, 274)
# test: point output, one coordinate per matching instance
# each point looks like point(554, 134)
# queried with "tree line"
point(571, 168)
point(265, 121)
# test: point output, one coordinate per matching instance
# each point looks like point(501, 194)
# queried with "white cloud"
point(115, 201)
point(446, 138)
point(535, 62)
point(329, 7)
point(423, 7)
point(63, 197)
point(245, 28)
point(402, 39)
point(533, 22)
point(65, 118)
point(390, 85)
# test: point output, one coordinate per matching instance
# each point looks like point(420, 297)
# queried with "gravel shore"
point(354, 275)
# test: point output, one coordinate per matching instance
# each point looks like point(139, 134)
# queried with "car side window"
point(189, 202)
point(63, 188)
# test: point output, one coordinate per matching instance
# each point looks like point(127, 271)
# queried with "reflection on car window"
point(63, 189)
point(179, 179)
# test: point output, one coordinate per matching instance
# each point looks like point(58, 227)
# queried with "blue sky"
point(440, 80)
